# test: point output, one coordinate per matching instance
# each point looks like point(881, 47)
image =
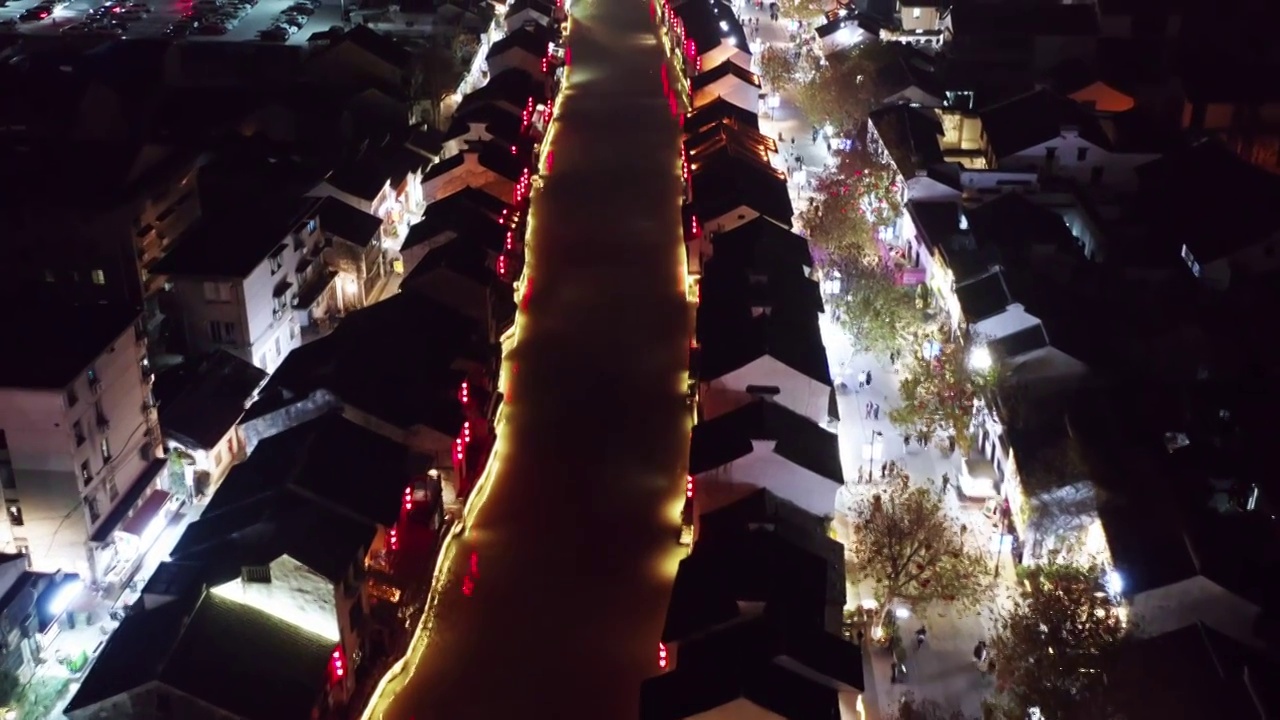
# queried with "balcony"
point(104, 425)
point(95, 386)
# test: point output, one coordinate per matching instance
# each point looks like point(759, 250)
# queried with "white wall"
point(270, 338)
point(516, 58)
point(764, 469)
point(477, 133)
point(38, 426)
point(731, 88)
point(739, 709)
point(471, 174)
point(1117, 168)
point(517, 21)
point(797, 392)
point(1014, 318)
point(928, 189)
point(913, 96)
point(1196, 599)
point(728, 221)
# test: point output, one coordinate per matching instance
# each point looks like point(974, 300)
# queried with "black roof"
point(744, 139)
point(531, 38)
point(982, 21)
point(732, 340)
point(418, 343)
point(1008, 231)
point(499, 123)
point(347, 222)
point(469, 212)
point(425, 139)
point(493, 156)
point(58, 342)
point(1020, 342)
point(764, 246)
point(258, 531)
point(365, 176)
point(764, 511)
point(203, 398)
point(338, 463)
point(752, 566)
point(825, 658)
point(462, 256)
point(1213, 219)
point(725, 438)
point(512, 86)
point(908, 67)
point(232, 244)
point(727, 180)
point(1038, 117)
point(702, 23)
point(713, 112)
point(686, 692)
point(381, 46)
point(721, 71)
point(728, 284)
point(546, 9)
point(984, 297)
point(910, 135)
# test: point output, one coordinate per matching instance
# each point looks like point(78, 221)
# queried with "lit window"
point(915, 13)
point(98, 277)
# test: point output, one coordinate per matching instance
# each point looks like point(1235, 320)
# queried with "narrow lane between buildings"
point(552, 602)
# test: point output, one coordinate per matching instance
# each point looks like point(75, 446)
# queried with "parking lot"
point(166, 12)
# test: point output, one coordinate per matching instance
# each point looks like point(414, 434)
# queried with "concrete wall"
point(471, 174)
point(47, 463)
point(797, 392)
point(764, 469)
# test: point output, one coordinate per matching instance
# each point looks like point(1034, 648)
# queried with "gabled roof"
point(748, 140)
point(722, 71)
point(1008, 228)
point(725, 438)
point(512, 86)
point(732, 338)
point(202, 399)
point(230, 244)
point(544, 9)
point(491, 155)
point(686, 692)
point(348, 223)
point(230, 656)
point(907, 68)
point(1038, 117)
point(59, 341)
point(911, 137)
point(339, 464)
point(821, 656)
point(984, 297)
point(470, 212)
point(532, 39)
point(462, 256)
point(497, 122)
point(987, 20)
point(763, 511)
point(420, 345)
point(727, 286)
point(761, 244)
point(710, 23)
point(1214, 219)
point(365, 176)
point(1020, 342)
point(727, 179)
point(380, 46)
point(713, 112)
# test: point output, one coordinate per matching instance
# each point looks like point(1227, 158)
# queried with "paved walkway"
point(943, 669)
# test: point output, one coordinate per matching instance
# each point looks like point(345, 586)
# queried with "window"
point(86, 474)
point(1081, 154)
point(915, 13)
point(15, 513)
point(98, 277)
point(78, 430)
point(105, 446)
point(91, 504)
point(311, 225)
point(49, 276)
point(72, 398)
point(217, 292)
point(276, 259)
point(222, 332)
point(277, 346)
point(92, 376)
point(7, 479)
point(1050, 153)
point(113, 492)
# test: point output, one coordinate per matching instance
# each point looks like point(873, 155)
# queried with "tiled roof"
point(732, 339)
point(709, 23)
point(1036, 118)
point(762, 244)
point(59, 341)
point(470, 212)
point(532, 39)
point(722, 71)
point(710, 138)
point(203, 398)
point(723, 439)
point(380, 46)
point(827, 659)
point(685, 693)
point(512, 87)
point(908, 67)
point(984, 297)
point(911, 137)
point(349, 223)
point(987, 20)
point(727, 180)
point(713, 112)
point(1020, 342)
point(497, 122)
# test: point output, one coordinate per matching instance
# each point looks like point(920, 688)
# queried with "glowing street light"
point(980, 359)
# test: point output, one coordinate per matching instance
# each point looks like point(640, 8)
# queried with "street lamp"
point(980, 359)
point(773, 102)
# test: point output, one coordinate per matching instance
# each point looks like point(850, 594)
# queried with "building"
point(730, 186)
point(358, 251)
point(714, 112)
point(1021, 41)
point(361, 58)
point(481, 125)
point(528, 48)
point(78, 435)
point(469, 213)
point(385, 182)
point(765, 445)
point(209, 658)
point(200, 403)
point(711, 34)
point(926, 18)
point(511, 90)
point(520, 12)
point(463, 276)
point(728, 80)
point(488, 166)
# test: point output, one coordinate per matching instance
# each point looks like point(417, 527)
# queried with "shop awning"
point(150, 508)
point(128, 502)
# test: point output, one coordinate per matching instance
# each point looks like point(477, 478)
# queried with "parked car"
point(212, 28)
point(177, 30)
point(301, 9)
point(129, 14)
point(35, 14)
point(8, 25)
point(139, 6)
point(296, 21)
point(276, 33)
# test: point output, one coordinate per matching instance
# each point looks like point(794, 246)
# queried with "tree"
point(779, 68)
point(844, 90)
point(874, 309)
point(837, 223)
point(905, 542)
point(875, 180)
point(938, 393)
point(1056, 649)
point(810, 9)
point(8, 688)
point(435, 74)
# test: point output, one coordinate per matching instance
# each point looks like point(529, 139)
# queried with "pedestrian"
point(922, 440)
point(906, 443)
point(860, 636)
point(991, 666)
point(868, 408)
point(868, 372)
point(875, 412)
point(920, 635)
point(980, 652)
point(793, 140)
point(946, 483)
point(884, 470)
point(951, 444)
point(780, 136)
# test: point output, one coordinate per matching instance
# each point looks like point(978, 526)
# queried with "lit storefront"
point(119, 545)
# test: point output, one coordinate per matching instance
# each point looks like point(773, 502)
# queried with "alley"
point(552, 601)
